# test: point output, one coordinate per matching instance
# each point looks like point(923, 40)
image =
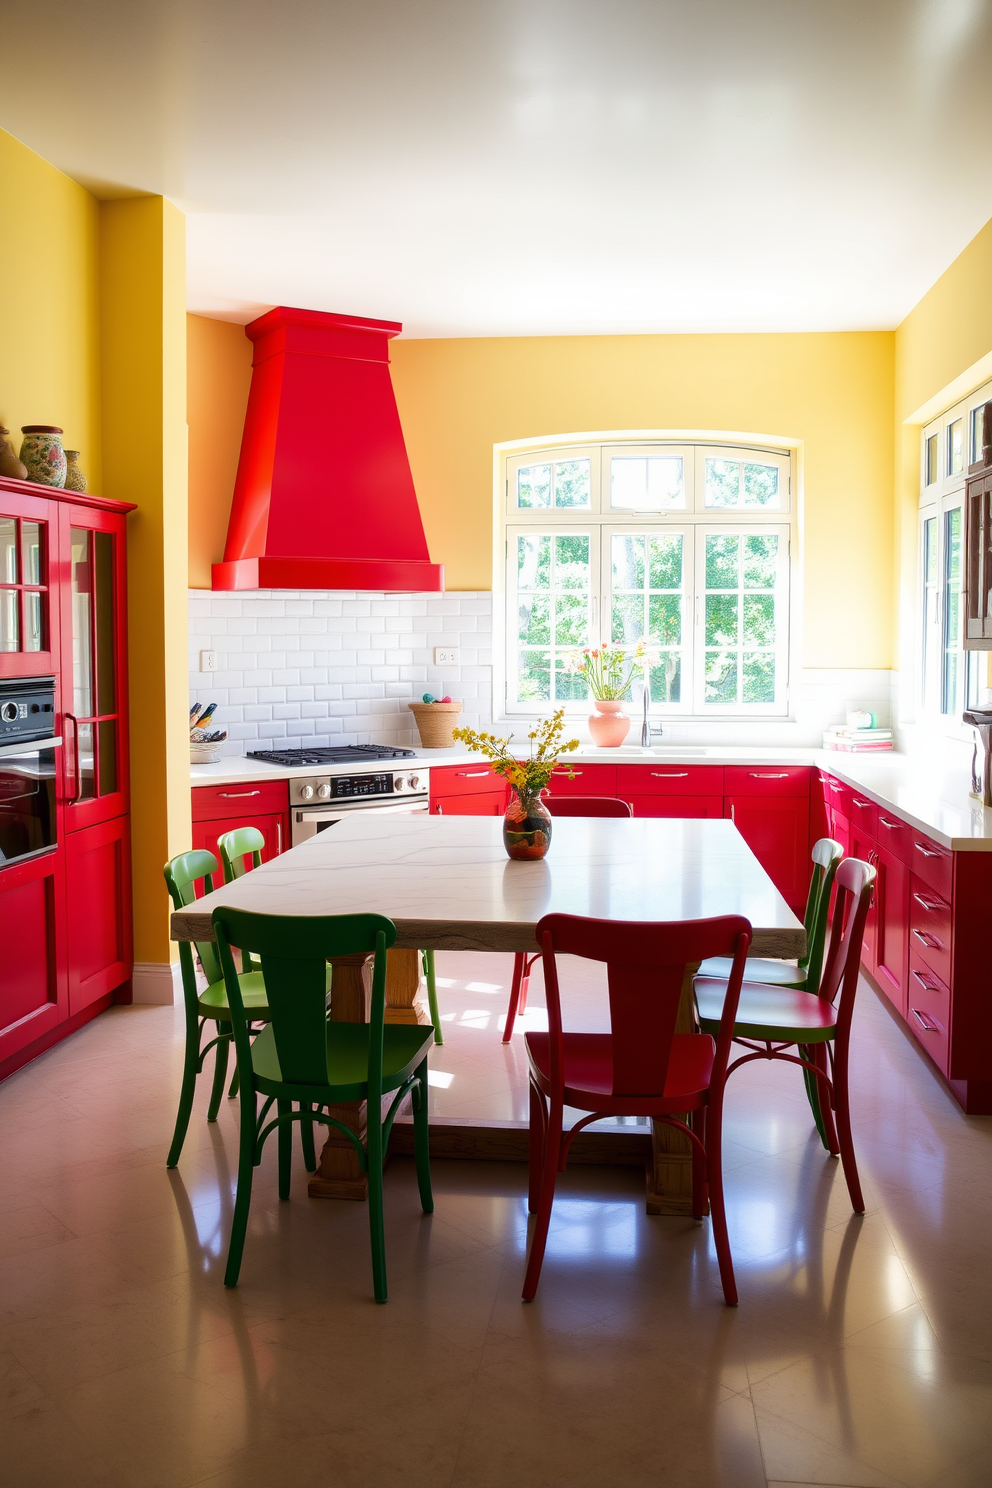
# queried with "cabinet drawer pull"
point(862, 804)
point(565, 772)
point(924, 1021)
point(774, 775)
point(471, 774)
point(930, 941)
point(927, 986)
point(928, 904)
point(278, 837)
point(928, 852)
point(838, 788)
point(237, 795)
point(669, 774)
point(883, 821)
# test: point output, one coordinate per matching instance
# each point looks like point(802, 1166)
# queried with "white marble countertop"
point(932, 797)
point(447, 883)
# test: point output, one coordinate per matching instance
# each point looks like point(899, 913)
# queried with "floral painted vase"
point(75, 480)
point(43, 455)
point(526, 827)
point(609, 725)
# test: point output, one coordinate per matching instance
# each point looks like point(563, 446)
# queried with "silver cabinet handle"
point(838, 788)
point(237, 795)
point(862, 804)
point(471, 774)
point(440, 809)
point(930, 941)
point(278, 836)
point(892, 826)
point(927, 851)
point(927, 986)
point(565, 772)
point(732, 816)
point(928, 904)
point(924, 1021)
point(775, 775)
point(669, 774)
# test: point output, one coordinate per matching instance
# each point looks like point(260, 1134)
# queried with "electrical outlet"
point(208, 661)
point(445, 655)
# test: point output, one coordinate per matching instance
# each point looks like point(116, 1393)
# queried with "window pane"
point(31, 552)
point(572, 561)
point(952, 669)
point(760, 562)
point(571, 620)
point(534, 680)
point(572, 483)
point(646, 603)
point(553, 582)
point(665, 556)
point(107, 740)
point(721, 677)
point(666, 678)
point(723, 482)
point(533, 561)
point(8, 550)
point(86, 785)
point(722, 619)
point(760, 484)
point(82, 629)
point(648, 483)
point(931, 459)
point(534, 486)
point(628, 562)
point(977, 433)
point(955, 447)
point(722, 561)
point(931, 615)
point(33, 623)
point(628, 618)
point(759, 677)
point(741, 483)
point(106, 682)
point(740, 618)
point(665, 619)
point(10, 625)
point(534, 622)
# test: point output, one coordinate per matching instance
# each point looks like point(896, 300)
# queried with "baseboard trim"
point(155, 982)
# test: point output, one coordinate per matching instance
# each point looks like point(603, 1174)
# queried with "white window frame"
point(602, 520)
point(937, 498)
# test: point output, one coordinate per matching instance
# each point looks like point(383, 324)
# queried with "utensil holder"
point(435, 722)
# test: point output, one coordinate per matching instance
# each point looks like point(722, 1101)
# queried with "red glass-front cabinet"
point(65, 912)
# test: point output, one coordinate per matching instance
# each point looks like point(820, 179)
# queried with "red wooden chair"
point(642, 1067)
point(772, 1021)
point(522, 962)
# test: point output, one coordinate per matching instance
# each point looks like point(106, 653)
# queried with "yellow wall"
point(216, 398)
point(943, 350)
point(49, 345)
point(143, 339)
point(831, 391)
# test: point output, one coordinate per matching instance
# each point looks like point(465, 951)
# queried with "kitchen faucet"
point(645, 719)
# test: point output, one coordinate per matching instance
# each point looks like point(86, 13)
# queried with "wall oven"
point(319, 802)
point(28, 823)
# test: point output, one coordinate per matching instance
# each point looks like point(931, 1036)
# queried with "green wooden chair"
point(302, 1059)
point(237, 845)
point(208, 1004)
point(427, 958)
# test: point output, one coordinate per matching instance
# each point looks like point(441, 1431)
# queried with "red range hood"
point(324, 498)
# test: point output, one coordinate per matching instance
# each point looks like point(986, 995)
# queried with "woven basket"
point(205, 754)
point(435, 722)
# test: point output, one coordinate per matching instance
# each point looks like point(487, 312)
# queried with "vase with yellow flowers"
point(608, 670)
point(527, 823)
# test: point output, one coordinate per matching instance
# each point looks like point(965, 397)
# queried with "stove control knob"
point(324, 790)
point(306, 792)
point(8, 712)
point(399, 783)
point(414, 782)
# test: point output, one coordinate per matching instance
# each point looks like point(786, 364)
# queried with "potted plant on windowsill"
point(608, 670)
point(527, 823)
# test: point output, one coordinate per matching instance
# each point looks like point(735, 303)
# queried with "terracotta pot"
point(526, 828)
point(75, 480)
point(609, 725)
point(42, 453)
point(11, 468)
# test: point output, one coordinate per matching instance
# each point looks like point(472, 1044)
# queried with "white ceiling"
point(530, 167)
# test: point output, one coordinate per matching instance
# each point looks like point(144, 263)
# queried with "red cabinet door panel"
point(464, 780)
point(895, 836)
point(483, 803)
point(243, 799)
point(777, 832)
point(866, 849)
point(934, 864)
point(273, 827)
point(98, 911)
point(695, 806)
point(930, 928)
point(33, 989)
point(669, 780)
point(929, 1011)
point(766, 780)
point(586, 780)
point(892, 928)
point(862, 813)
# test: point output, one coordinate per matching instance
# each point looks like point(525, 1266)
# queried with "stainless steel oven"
point(319, 802)
point(28, 823)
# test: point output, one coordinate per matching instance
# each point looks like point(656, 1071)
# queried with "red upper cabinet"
point(94, 690)
point(29, 620)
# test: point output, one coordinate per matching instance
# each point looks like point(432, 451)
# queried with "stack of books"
point(857, 740)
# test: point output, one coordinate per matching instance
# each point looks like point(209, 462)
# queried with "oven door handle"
point(76, 773)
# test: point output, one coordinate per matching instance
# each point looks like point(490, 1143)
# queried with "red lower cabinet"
point(467, 790)
point(892, 928)
point(274, 828)
point(928, 1011)
point(483, 803)
point(776, 829)
point(696, 806)
point(263, 804)
point(98, 911)
point(33, 985)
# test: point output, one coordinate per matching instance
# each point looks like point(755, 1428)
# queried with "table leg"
point(402, 987)
point(339, 1174)
point(670, 1174)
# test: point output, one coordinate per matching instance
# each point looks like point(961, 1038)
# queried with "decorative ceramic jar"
point(609, 725)
point(75, 480)
point(11, 467)
point(43, 455)
point(526, 827)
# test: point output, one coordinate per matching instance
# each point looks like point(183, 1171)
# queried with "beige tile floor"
point(861, 1353)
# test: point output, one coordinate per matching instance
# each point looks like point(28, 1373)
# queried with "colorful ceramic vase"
point(609, 725)
point(526, 828)
point(42, 453)
point(11, 467)
point(75, 480)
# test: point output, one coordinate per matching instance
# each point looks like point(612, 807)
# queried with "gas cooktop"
point(341, 754)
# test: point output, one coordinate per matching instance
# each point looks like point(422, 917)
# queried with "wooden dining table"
point(447, 884)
